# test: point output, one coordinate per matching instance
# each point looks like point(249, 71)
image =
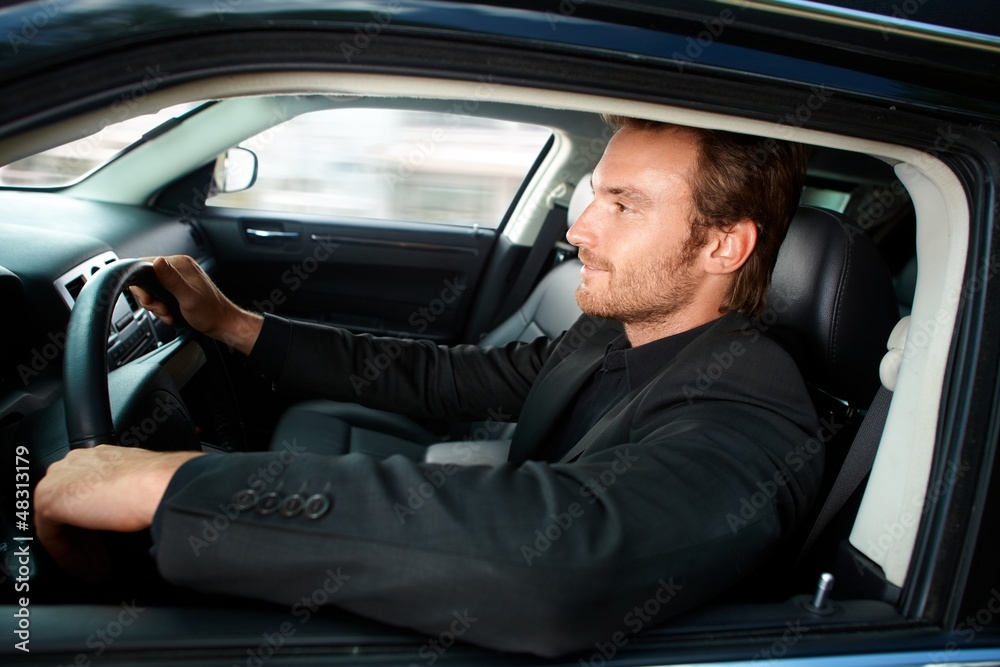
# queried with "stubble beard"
point(641, 295)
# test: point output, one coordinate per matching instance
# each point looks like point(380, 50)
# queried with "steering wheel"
point(85, 366)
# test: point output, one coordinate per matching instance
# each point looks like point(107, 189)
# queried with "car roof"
point(978, 16)
point(879, 54)
point(973, 16)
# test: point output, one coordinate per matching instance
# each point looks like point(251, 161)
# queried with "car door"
point(378, 220)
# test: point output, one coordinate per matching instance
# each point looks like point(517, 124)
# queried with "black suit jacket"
point(679, 491)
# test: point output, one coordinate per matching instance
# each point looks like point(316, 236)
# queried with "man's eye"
point(622, 208)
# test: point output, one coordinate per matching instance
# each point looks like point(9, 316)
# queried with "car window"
point(73, 161)
point(387, 164)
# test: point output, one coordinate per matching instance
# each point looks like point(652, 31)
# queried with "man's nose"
point(581, 232)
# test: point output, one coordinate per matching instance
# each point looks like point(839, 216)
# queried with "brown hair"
point(740, 176)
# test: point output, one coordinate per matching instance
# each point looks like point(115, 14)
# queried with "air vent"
point(74, 286)
point(70, 283)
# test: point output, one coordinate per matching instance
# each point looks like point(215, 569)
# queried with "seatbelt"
point(857, 465)
point(553, 228)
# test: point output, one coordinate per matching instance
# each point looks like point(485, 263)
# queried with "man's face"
point(632, 238)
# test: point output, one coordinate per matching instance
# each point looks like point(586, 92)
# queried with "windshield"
point(67, 164)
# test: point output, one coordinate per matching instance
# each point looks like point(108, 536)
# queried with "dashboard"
point(46, 261)
point(50, 246)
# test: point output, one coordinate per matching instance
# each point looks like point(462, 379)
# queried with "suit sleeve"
point(413, 377)
point(540, 557)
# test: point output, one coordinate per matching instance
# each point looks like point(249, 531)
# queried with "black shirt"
point(625, 368)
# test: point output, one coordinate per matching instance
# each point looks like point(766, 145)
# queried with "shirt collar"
point(643, 362)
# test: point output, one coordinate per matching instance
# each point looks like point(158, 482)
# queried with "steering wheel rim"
point(85, 364)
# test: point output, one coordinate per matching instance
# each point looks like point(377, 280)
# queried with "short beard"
point(637, 299)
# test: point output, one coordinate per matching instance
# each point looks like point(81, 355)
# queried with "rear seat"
point(330, 427)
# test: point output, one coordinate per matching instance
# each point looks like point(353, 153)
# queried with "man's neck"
point(640, 333)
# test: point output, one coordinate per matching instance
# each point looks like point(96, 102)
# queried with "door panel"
point(410, 279)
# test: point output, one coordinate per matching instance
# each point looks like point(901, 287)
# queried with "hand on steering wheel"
point(104, 488)
point(200, 302)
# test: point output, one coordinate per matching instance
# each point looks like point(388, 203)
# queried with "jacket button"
point(269, 503)
point(245, 499)
point(293, 505)
point(316, 506)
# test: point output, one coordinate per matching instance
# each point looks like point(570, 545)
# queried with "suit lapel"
point(558, 386)
point(726, 322)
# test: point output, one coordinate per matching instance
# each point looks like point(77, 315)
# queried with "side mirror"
point(235, 170)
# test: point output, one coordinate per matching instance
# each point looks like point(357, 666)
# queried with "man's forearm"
point(411, 377)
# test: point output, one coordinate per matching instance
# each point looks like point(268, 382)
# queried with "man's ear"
point(731, 246)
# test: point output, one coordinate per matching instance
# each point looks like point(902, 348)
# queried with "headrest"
point(580, 199)
point(888, 370)
point(832, 304)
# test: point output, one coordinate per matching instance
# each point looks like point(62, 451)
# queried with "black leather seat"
point(832, 304)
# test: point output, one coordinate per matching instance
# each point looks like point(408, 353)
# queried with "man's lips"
point(591, 270)
point(590, 265)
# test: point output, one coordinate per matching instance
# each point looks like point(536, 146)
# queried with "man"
point(632, 454)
